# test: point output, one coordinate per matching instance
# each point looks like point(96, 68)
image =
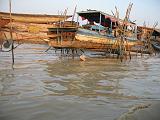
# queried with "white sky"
point(143, 10)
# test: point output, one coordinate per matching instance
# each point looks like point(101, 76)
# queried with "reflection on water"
point(47, 87)
point(92, 78)
point(102, 77)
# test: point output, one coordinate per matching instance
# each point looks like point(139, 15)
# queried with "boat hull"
point(34, 18)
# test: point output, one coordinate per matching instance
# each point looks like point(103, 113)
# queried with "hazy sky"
point(143, 10)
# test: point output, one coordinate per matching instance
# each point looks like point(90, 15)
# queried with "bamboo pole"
point(10, 14)
point(75, 9)
point(100, 20)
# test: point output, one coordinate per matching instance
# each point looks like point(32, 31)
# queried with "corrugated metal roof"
point(94, 11)
point(158, 30)
point(105, 14)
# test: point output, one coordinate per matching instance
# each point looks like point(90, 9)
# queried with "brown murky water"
point(44, 86)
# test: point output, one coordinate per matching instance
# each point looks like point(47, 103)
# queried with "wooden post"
point(77, 20)
point(57, 36)
point(135, 32)
point(111, 27)
point(75, 9)
point(65, 14)
point(100, 20)
point(10, 11)
point(10, 15)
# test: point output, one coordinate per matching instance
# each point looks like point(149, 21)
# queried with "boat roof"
point(94, 16)
point(156, 32)
point(94, 11)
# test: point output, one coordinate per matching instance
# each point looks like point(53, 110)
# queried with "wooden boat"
point(31, 28)
point(4, 21)
point(35, 18)
point(107, 36)
point(74, 38)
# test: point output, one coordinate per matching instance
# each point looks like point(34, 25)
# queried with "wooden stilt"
point(12, 53)
point(73, 53)
point(10, 10)
point(48, 49)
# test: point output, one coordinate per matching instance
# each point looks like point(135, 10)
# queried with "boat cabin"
point(100, 21)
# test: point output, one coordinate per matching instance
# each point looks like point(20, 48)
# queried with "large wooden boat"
point(97, 37)
point(35, 18)
point(30, 28)
point(4, 21)
point(77, 38)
